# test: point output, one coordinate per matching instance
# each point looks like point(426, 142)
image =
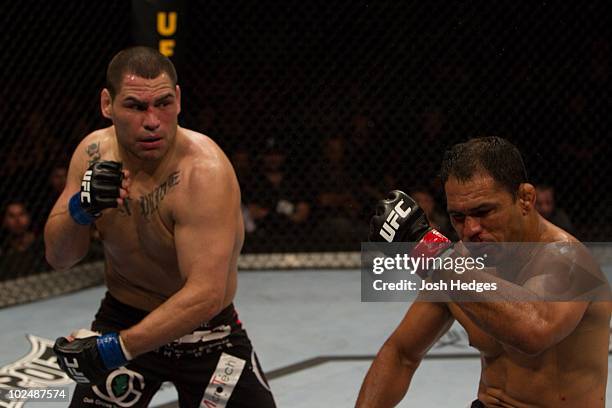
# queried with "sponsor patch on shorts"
point(123, 388)
point(223, 381)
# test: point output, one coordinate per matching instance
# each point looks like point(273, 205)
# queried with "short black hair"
point(144, 62)
point(492, 154)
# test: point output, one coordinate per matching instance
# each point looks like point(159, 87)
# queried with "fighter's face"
point(145, 115)
point(481, 210)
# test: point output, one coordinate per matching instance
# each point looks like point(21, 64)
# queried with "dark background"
point(397, 82)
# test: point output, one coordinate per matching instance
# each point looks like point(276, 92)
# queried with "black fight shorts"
point(215, 366)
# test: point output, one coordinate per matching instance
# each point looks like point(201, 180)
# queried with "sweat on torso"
point(142, 267)
point(141, 259)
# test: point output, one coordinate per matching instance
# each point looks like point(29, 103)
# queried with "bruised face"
point(481, 210)
point(145, 115)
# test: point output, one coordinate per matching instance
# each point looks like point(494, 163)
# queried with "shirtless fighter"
point(533, 353)
point(166, 203)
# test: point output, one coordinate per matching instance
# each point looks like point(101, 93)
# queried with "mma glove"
point(99, 190)
point(398, 218)
point(87, 360)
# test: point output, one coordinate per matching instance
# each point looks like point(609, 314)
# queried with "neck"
point(137, 165)
point(535, 228)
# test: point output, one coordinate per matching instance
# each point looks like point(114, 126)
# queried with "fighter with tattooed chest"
point(167, 205)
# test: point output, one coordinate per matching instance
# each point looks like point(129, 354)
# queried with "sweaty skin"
point(569, 370)
point(172, 244)
point(533, 354)
point(142, 268)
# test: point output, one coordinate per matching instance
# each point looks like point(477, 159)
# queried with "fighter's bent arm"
point(67, 242)
point(206, 223)
point(389, 376)
point(528, 327)
point(524, 317)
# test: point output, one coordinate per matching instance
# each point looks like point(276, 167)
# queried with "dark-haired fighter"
point(167, 205)
point(533, 353)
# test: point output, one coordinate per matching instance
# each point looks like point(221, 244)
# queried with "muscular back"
point(142, 267)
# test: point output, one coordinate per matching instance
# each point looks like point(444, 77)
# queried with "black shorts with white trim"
point(214, 366)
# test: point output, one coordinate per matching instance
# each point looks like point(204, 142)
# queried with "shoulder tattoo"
point(93, 151)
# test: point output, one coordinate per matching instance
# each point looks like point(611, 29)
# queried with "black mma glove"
point(99, 190)
point(398, 218)
point(88, 360)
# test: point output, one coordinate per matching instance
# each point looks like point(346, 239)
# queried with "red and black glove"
point(398, 218)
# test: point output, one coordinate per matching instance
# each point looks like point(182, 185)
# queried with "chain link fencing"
point(322, 108)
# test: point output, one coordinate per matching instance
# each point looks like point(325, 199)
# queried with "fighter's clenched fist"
point(87, 356)
point(100, 188)
point(398, 218)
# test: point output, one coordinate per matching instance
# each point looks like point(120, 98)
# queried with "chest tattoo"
point(150, 201)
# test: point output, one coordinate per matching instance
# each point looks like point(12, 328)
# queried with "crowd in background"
point(323, 205)
point(322, 110)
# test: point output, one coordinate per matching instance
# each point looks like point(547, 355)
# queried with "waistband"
point(122, 315)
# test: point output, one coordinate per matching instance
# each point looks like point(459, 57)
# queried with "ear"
point(178, 98)
point(106, 104)
point(526, 197)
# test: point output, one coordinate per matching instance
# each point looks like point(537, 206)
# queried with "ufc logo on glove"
point(74, 373)
point(390, 226)
point(85, 187)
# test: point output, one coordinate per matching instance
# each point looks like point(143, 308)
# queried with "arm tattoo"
point(93, 151)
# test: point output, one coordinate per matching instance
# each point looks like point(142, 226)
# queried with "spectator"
point(276, 206)
point(57, 179)
point(55, 186)
point(545, 203)
point(364, 150)
point(430, 140)
point(241, 160)
point(337, 209)
point(22, 250)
